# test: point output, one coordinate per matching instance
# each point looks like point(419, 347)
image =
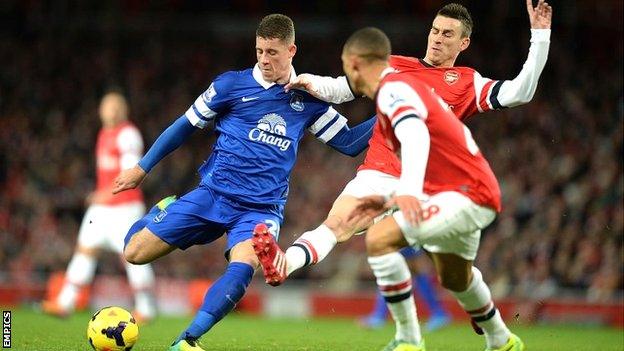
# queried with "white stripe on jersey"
point(322, 121)
point(394, 95)
point(331, 132)
point(203, 109)
point(478, 83)
point(195, 121)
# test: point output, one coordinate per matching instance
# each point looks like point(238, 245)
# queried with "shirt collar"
point(266, 85)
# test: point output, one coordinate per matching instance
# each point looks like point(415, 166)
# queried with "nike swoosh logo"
point(245, 99)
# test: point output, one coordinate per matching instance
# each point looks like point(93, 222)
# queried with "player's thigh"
point(384, 237)
point(240, 231)
point(365, 183)
point(451, 223)
point(122, 217)
point(91, 235)
point(145, 246)
point(454, 272)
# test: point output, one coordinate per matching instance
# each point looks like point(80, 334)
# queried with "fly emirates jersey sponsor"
point(463, 89)
point(115, 146)
point(455, 162)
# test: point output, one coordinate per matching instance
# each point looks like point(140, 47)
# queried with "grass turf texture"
point(33, 331)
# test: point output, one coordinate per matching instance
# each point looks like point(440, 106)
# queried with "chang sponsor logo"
point(271, 130)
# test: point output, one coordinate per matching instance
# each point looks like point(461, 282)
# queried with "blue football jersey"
point(259, 127)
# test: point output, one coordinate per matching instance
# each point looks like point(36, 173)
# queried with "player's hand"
point(409, 206)
point(303, 82)
point(368, 208)
point(541, 15)
point(128, 179)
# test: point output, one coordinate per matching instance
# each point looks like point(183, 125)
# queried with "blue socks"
point(220, 299)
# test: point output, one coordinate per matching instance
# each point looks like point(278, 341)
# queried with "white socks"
point(79, 273)
point(310, 248)
point(477, 301)
point(395, 284)
point(141, 279)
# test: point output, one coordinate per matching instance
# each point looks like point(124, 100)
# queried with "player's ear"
point(292, 50)
point(465, 42)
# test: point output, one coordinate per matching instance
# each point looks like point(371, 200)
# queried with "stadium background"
point(559, 158)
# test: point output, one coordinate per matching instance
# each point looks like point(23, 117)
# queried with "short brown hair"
point(277, 26)
point(458, 12)
point(369, 43)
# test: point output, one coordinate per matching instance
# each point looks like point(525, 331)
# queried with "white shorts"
point(105, 227)
point(368, 182)
point(452, 224)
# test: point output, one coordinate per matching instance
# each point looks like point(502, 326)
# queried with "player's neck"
point(447, 63)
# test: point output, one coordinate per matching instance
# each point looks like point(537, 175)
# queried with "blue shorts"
point(202, 216)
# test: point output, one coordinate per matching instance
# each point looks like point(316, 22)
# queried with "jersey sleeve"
point(130, 145)
point(327, 125)
point(496, 94)
point(398, 101)
point(212, 102)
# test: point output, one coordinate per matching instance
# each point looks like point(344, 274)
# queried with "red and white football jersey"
point(463, 89)
point(117, 148)
point(455, 162)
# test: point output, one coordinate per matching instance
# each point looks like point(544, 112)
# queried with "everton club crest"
point(296, 102)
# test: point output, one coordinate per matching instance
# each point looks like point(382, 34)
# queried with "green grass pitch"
point(35, 332)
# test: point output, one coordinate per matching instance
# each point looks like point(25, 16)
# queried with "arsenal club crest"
point(451, 77)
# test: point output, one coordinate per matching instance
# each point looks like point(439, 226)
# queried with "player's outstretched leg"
point(219, 300)
point(313, 246)
point(271, 257)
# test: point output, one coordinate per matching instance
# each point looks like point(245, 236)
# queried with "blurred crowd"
point(558, 159)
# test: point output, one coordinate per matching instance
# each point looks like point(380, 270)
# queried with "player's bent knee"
point(453, 282)
point(141, 249)
point(375, 243)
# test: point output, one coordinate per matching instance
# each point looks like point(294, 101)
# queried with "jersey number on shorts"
point(274, 227)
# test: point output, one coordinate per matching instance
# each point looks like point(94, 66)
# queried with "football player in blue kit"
point(245, 179)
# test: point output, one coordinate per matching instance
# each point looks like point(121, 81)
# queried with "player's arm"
point(205, 108)
point(496, 94)
point(170, 139)
point(329, 89)
point(407, 113)
point(331, 128)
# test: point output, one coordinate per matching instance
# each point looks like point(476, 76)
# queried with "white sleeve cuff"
point(540, 35)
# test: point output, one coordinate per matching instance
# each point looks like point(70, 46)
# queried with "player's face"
point(352, 69)
point(445, 41)
point(113, 109)
point(275, 59)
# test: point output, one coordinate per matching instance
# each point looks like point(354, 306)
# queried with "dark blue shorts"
point(202, 216)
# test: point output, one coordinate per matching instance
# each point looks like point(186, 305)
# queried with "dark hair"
point(458, 12)
point(276, 26)
point(369, 43)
